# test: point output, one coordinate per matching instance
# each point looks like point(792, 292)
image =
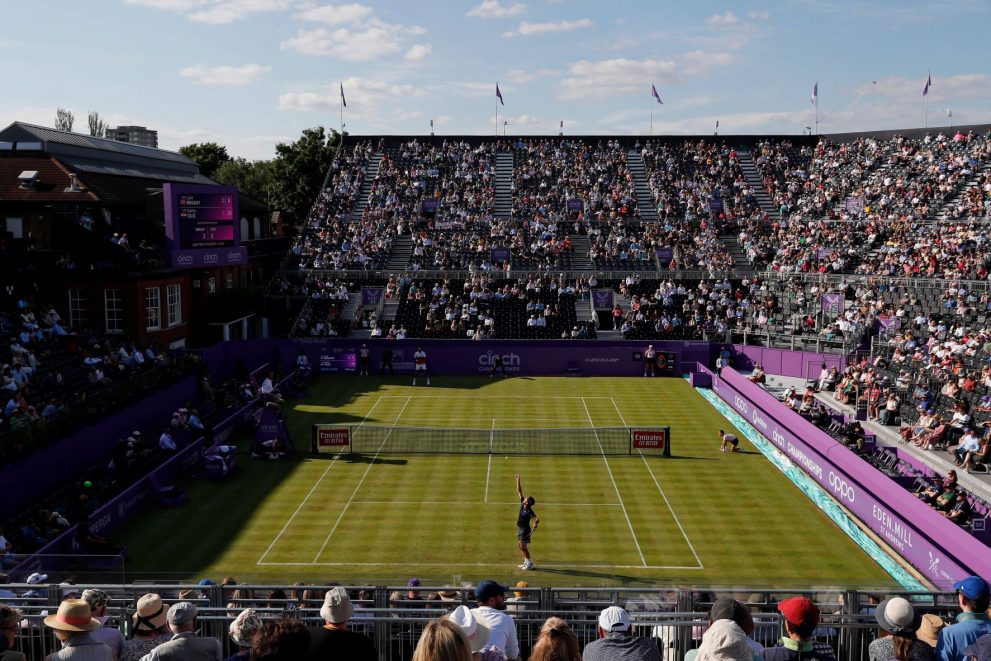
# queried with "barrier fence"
point(393, 617)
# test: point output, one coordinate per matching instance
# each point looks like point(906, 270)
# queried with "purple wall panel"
point(782, 362)
point(31, 478)
point(550, 357)
point(931, 543)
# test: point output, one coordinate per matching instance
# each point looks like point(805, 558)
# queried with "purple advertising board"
point(549, 357)
point(665, 255)
point(371, 296)
point(782, 362)
point(919, 534)
point(202, 226)
point(574, 205)
point(855, 204)
point(716, 204)
point(602, 299)
point(833, 304)
point(500, 255)
point(429, 206)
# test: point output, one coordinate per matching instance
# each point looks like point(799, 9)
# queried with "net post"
point(629, 432)
point(313, 440)
point(667, 439)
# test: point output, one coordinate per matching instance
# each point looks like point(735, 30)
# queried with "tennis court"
point(699, 516)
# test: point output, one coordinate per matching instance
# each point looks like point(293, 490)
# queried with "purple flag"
point(343, 102)
point(499, 95)
point(929, 81)
point(815, 94)
point(653, 93)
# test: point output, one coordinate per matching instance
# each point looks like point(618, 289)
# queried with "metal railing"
point(394, 618)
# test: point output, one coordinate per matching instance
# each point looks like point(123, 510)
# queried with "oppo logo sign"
point(741, 404)
point(841, 488)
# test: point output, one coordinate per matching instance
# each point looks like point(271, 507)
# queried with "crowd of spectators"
point(479, 623)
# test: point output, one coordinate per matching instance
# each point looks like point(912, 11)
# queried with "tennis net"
point(387, 439)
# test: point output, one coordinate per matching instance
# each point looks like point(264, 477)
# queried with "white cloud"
point(364, 40)
point(224, 75)
point(495, 9)
point(520, 76)
point(335, 14)
point(216, 11)
point(172, 5)
point(531, 29)
point(722, 20)
point(608, 78)
point(368, 95)
point(444, 120)
point(698, 61)
point(759, 15)
point(418, 52)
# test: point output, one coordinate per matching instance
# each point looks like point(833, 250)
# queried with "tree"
point(253, 178)
point(97, 126)
point(64, 119)
point(299, 169)
point(208, 155)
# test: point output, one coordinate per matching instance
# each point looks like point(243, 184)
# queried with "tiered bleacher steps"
point(756, 182)
point(399, 256)
point(389, 310)
point(741, 265)
point(943, 213)
point(504, 185)
point(580, 261)
point(371, 171)
point(354, 302)
point(645, 199)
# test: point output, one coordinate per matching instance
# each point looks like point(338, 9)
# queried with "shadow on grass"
point(584, 573)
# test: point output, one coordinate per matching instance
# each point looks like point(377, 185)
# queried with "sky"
point(251, 73)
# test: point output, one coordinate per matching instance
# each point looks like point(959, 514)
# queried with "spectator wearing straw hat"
point(242, 631)
point(897, 617)
point(334, 640)
point(929, 629)
point(974, 596)
point(98, 601)
point(10, 619)
point(149, 628)
point(801, 619)
point(185, 645)
point(72, 625)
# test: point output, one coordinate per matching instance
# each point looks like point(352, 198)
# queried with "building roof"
point(56, 141)
point(50, 186)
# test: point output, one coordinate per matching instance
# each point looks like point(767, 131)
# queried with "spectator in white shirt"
point(491, 614)
point(166, 442)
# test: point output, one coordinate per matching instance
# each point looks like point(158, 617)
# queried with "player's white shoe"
point(527, 566)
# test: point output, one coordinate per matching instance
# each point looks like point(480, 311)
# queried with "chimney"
point(73, 184)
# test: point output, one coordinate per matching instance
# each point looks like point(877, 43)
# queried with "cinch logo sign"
point(210, 258)
point(184, 259)
point(509, 360)
point(234, 257)
point(333, 437)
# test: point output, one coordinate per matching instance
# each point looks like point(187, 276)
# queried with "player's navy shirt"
point(523, 519)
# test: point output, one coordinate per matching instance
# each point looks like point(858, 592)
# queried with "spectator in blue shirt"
point(974, 597)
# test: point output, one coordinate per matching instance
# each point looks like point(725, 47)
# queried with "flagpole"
point(497, 111)
point(652, 119)
point(928, 78)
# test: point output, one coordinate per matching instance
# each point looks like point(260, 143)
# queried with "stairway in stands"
point(944, 211)
point(580, 260)
point(645, 198)
point(504, 185)
point(402, 250)
point(741, 265)
point(753, 177)
point(371, 171)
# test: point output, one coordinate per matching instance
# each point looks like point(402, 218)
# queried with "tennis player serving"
point(524, 530)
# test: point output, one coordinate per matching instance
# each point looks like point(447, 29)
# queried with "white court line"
point(468, 564)
point(613, 480)
point(493, 397)
point(488, 471)
point(663, 495)
point(312, 489)
point(448, 502)
point(360, 482)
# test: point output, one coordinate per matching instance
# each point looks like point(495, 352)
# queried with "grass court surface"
point(699, 517)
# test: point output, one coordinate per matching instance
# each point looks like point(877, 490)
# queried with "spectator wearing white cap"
point(185, 645)
point(242, 631)
point(98, 601)
point(897, 617)
point(616, 642)
point(334, 640)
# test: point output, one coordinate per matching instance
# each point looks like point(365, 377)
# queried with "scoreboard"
point(206, 220)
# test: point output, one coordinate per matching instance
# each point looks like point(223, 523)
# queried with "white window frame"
point(77, 307)
point(113, 311)
point(173, 296)
point(153, 308)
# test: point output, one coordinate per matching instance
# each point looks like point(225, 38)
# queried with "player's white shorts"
point(420, 368)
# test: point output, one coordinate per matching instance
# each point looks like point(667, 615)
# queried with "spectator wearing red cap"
point(973, 596)
point(801, 618)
